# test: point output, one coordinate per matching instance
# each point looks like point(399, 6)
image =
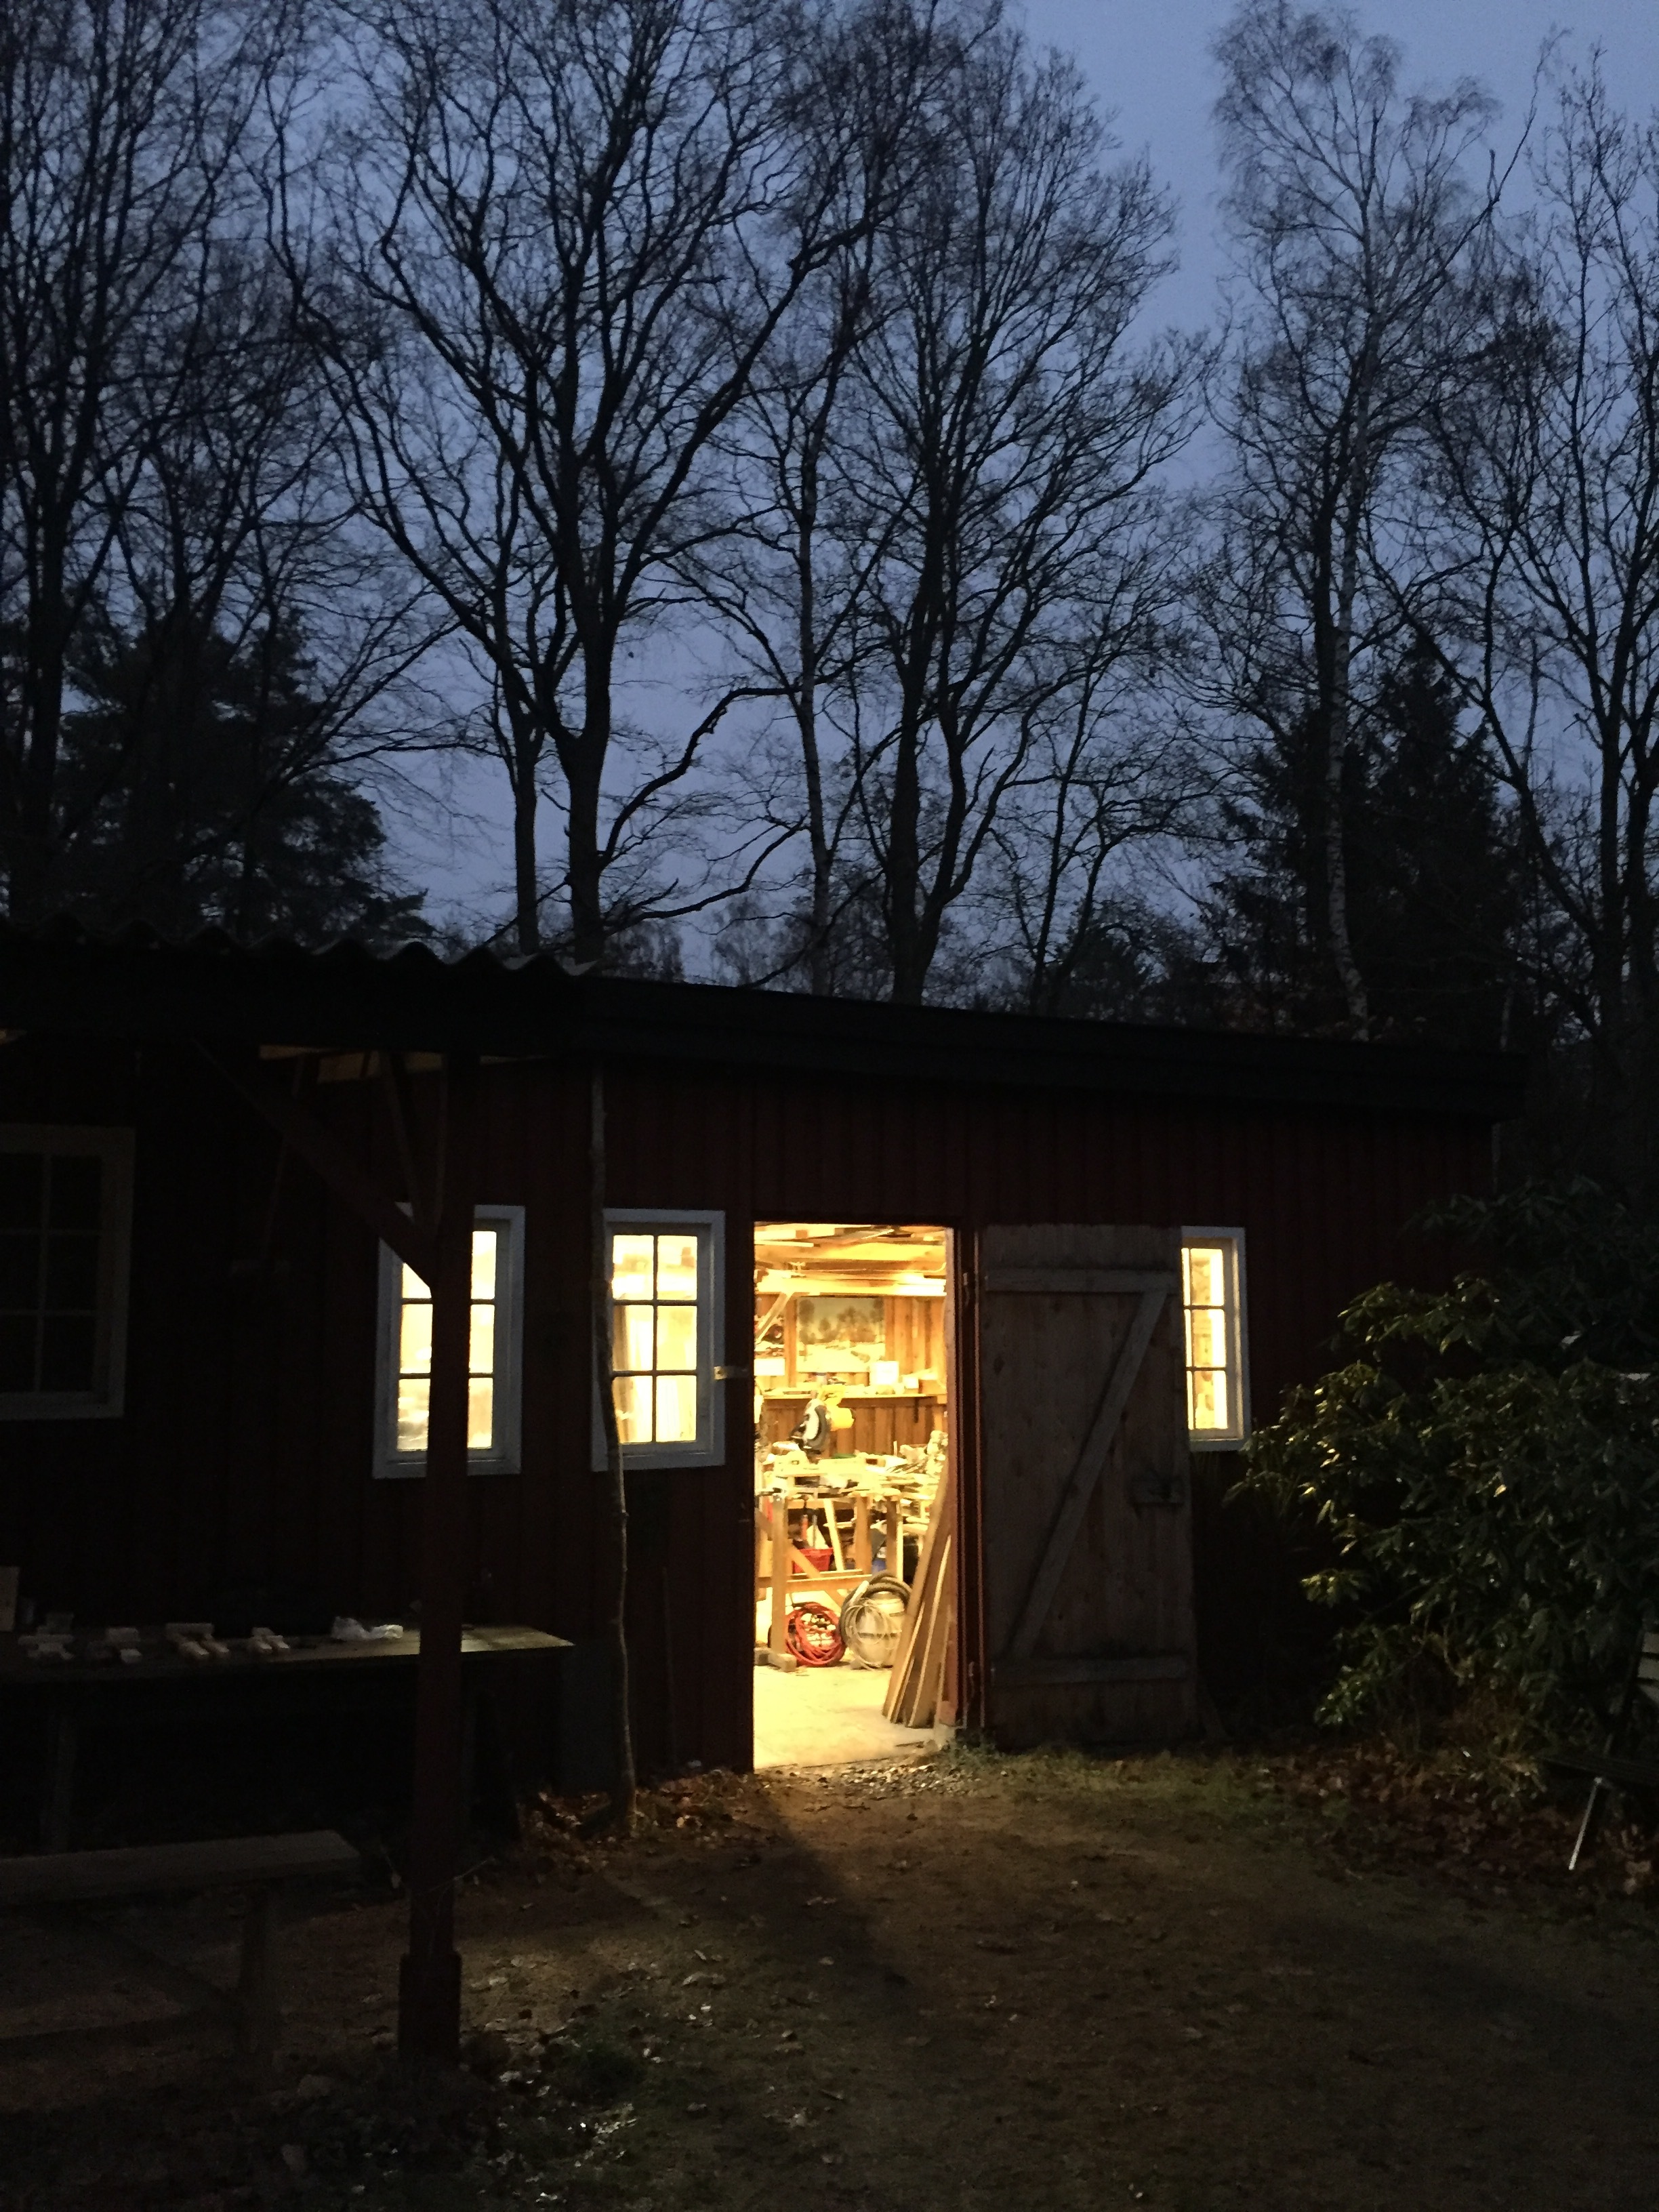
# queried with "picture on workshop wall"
point(837, 1335)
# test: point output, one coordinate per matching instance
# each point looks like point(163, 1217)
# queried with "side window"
point(667, 1276)
point(1212, 1293)
point(403, 1389)
point(66, 1227)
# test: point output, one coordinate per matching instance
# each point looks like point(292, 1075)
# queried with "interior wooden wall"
point(244, 1454)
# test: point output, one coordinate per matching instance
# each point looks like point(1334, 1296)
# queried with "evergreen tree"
point(197, 792)
point(1433, 866)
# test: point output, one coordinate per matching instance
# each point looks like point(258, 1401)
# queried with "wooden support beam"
point(321, 1148)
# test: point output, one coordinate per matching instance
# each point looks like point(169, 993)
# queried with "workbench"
point(789, 1572)
point(163, 1686)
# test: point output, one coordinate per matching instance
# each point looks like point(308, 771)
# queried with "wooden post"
point(625, 1780)
point(429, 1977)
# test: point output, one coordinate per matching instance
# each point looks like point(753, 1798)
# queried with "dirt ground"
point(1053, 1981)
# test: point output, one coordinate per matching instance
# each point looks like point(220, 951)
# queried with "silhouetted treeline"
point(747, 424)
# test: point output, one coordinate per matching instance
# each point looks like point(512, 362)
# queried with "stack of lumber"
point(917, 1683)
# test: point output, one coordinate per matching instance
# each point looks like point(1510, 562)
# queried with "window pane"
point(20, 1273)
point(68, 1350)
point(483, 1262)
point(677, 1409)
point(630, 1266)
point(1207, 1338)
point(480, 1413)
point(1206, 1275)
point(22, 1180)
point(1208, 1396)
point(76, 1185)
point(634, 1408)
point(676, 1336)
point(414, 1340)
point(676, 1266)
point(414, 1398)
point(481, 1346)
point(631, 1337)
point(17, 1351)
point(71, 1274)
point(413, 1287)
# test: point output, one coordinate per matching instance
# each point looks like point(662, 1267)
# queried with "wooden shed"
point(875, 1269)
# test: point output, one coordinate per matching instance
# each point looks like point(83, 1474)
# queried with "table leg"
point(776, 1637)
point(57, 1804)
point(863, 1555)
point(256, 1989)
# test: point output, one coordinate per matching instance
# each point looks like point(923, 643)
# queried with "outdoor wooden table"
point(163, 1685)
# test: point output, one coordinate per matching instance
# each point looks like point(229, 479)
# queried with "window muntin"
point(666, 1271)
point(1211, 1301)
point(494, 1337)
point(65, 1207)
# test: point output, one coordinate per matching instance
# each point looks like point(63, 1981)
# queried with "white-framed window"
point(65, 1237)
point(495, 1353)
point(667, 1273)
point(1218, 1379)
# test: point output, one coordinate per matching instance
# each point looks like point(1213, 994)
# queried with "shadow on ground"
point(1039, 1982)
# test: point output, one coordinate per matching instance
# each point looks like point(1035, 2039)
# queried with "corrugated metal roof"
point(136, 985)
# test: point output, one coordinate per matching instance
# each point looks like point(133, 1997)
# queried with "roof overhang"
point(138, 988)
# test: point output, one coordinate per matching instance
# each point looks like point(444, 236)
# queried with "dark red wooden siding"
point(244, 1453)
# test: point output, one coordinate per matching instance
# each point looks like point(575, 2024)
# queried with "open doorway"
point(854, 1514)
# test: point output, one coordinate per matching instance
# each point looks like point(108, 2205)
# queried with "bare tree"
point(994, 464)
point(1358, 239)
point(787, 585)
point(788, 596)
point(123, 125)
point(237, 559)
point(1548, 492)
point(568, 233)
point(1109, 776)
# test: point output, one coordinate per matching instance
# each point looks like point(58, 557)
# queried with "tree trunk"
point(1339, 735)
point(526, 894)
point(584, 758)
point(820, 968)
point(30, 865)
point(903, 870)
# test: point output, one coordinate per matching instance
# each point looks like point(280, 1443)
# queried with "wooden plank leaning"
point(931, 1605)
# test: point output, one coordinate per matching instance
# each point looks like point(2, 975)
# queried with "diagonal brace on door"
point(1080, 1487)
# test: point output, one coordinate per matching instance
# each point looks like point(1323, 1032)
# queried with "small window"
point(667, 1275)
point(493, 1352)
point(1212, 1293)
point(65, 1212)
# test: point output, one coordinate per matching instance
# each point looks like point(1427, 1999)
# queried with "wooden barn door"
point(1084, 1482)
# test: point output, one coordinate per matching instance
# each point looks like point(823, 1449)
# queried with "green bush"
point(1485, 1468)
